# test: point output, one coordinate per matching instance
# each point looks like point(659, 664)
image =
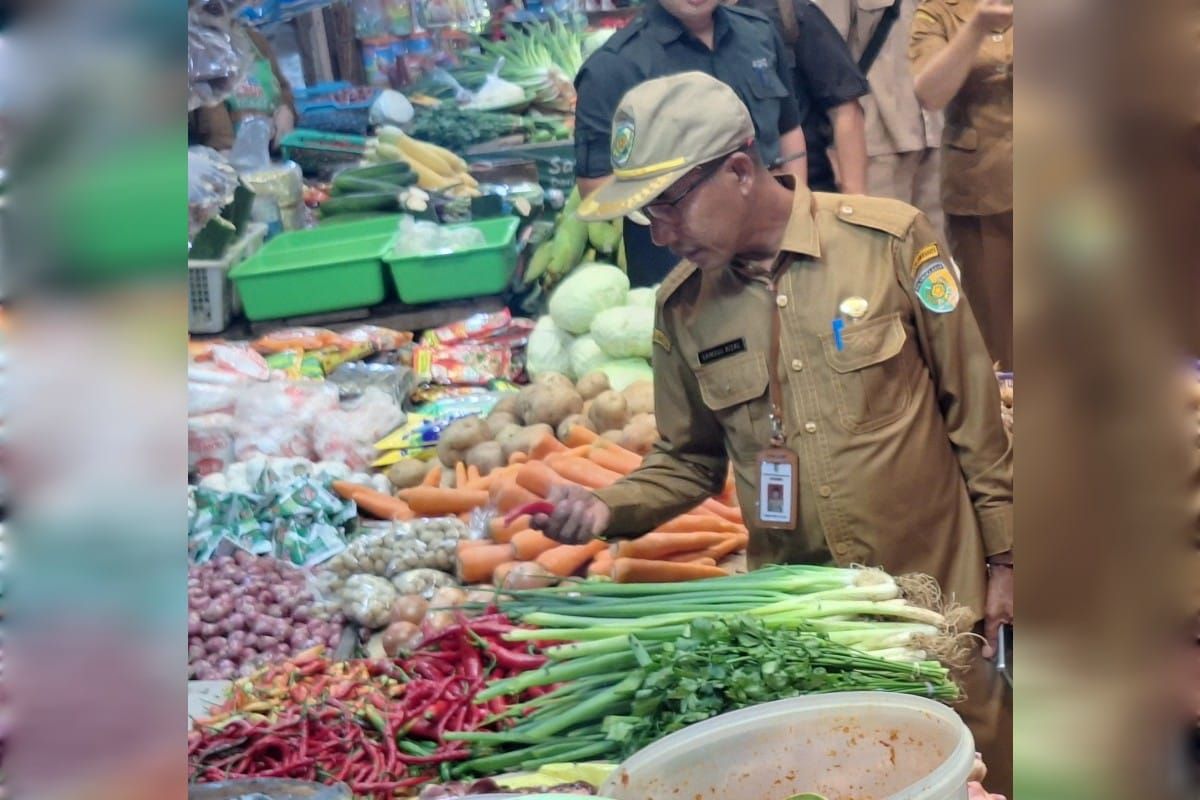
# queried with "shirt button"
point(825, 491)
point(841, 548)
point(997, 37)
point(781, 301)
point(797, 364)
point(847, 210)
point(811, 427)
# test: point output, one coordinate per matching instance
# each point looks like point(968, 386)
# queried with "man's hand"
point(998, 608)
point(975, 791)
point(992, 15)
point(285, 122)
point(579, 516)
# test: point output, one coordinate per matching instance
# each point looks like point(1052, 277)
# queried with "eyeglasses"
point(668, 210)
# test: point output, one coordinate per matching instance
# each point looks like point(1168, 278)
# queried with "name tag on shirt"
point(778, 480)
point(722, 351)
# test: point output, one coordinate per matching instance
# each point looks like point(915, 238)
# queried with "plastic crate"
point(210, 295)
point(320, 108)
point(319, 153)
point(479, 271)
point(328, 268)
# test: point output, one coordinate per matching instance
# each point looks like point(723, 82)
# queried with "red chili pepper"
point(532, 509)
point(515, 660)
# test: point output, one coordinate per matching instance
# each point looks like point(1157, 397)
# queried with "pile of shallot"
point(245, 611)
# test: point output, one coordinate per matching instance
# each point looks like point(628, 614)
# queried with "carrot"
point(433, 477)
point(694, 557)
point(503, 534)
point(546, 445)
point(511, 496)
point(583, 471)
point(611, 455)
point(460, 475)
point(660, 545)
point(689, 523)
point(431, 501)
point(723, 511)
point(602, 564)
point(640, 570)
point(731, 545)
point(566, 559)
point(518, 457)
point(472, 474)
point(482, 483)
point(579, 435)
point(529, 544)
point(537, 478)
point(377, 504)
point(500, 573)
point(467, 544)
point(477, 564)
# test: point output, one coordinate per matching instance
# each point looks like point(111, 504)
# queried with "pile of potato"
point(552, 404)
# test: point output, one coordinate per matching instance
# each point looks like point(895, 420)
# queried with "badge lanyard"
point(778, 466)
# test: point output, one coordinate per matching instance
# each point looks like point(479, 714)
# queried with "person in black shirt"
point(828, 84)
point(738, 46)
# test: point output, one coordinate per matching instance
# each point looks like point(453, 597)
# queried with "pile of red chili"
point(375, 725)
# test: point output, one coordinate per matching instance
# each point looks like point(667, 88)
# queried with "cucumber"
point(351, 183)
point(389, 171)
point(359, 202)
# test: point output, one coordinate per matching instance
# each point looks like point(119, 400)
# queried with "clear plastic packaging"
point(348, 434)
point(277, 418)
point(215, 64)
point(367, 600)
point(424, 582)
point(211, 184)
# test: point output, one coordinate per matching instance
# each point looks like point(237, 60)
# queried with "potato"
point(640, 434)
point(408, 473)
point(486, 456)
point(593, 384)
point(564, 427)
point(460, 437)
point(499, 420)
point(510, 440)
point(613, 436)
point(609, 411)
point(523, 399)
point(531, 435)
point(550, 405)
point(508, 404)
point(640, 396)
point(554, 379)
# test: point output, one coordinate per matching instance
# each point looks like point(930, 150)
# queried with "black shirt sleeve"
point(599, 87)
point(790, 113)
point(824, 62)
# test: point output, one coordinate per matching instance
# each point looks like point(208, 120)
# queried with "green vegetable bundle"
point(627, 678)
point(543, 58)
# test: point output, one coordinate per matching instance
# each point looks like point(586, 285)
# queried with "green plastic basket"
point(327, 268)
point(476, 272)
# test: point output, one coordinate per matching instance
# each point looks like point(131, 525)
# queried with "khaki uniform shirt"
point(904, 463)
point(896, 123)
point(977, 144)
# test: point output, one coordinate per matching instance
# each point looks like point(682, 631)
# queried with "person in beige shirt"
point(903, 160)
point(962, 61)
point(893, 418)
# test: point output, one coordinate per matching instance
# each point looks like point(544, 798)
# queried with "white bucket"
point(850, 746)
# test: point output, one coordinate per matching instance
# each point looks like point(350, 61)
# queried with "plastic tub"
point(328, 268)
point(473, 272)
point(851, 746)
point(210, 295)
point(274, 788)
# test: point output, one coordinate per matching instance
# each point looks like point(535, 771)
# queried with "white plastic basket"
point(210, 293)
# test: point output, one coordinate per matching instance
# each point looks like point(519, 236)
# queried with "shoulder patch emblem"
point(936, 287)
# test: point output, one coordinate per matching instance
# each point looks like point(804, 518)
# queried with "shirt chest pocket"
point(871, 384)
point(767, 94)
point(735, 390)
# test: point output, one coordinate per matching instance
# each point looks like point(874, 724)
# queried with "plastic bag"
point(391, 108)
point(251, 151)
point(210, 443)
point(424, 582)
point(215, 63)
point(367, 600)
point(349, 434)
point(211, 184)
point(276, 419)
point(353, 379)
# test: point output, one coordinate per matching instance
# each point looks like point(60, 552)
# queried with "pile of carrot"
point(689, 547)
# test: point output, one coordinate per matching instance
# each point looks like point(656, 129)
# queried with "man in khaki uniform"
point(962, 61)
point(903, 161)
point(894, 418)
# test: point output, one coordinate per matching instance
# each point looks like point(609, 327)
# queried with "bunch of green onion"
point(638, 661)
point(541, 57)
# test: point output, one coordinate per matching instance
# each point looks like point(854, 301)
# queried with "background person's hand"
point(285, 122)
point(993, 15)
point(579, 516)
point(998, 607)
point(975, 791)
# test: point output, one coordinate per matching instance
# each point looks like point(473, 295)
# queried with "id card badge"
point(778, 483)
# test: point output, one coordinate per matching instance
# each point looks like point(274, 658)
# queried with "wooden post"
point(314, 47)
point(347, 52)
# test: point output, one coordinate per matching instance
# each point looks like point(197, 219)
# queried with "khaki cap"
point(662, 129)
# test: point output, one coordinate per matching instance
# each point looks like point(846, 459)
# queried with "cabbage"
point(549, 349)
point(642, 297)
point(586, 292)
point(625, 332)
point(586, 356)
point(625, 371)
